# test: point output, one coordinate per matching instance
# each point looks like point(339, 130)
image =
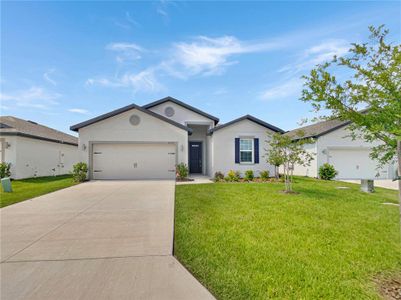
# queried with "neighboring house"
point(35, 150)
point(333, 144)
point(146, 142)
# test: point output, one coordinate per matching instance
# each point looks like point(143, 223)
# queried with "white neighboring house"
point(146, 142)
point(333, 145)
point(35, 150)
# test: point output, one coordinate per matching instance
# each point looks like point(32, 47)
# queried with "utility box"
point(6, 184)
point(367, 186)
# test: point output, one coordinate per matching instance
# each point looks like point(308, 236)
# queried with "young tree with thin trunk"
point(370, 97)
point(289, 152)
point(274, 158)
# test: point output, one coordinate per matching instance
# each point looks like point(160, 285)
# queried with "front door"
point(195, 157)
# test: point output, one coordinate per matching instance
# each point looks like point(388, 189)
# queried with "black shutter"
point(256, 150)
point(237, 150)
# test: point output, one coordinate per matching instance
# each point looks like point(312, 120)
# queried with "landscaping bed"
point(250, 241)
point(25, 189)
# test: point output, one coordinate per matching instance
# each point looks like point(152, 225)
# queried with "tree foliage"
point(289, 152)
point(370, 94)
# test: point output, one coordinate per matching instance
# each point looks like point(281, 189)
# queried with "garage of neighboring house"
point(354, 163)
point(132, 143)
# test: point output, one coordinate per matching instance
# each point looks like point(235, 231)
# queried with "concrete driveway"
point(97, 240)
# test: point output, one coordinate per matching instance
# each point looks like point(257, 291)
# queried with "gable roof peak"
point(183, 104)
point(118, 111)
point(250, 118)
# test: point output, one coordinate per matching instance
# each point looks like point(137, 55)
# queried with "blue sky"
point(65, 62)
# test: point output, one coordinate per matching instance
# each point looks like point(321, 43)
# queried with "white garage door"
point(355, 164)
point(133, 161)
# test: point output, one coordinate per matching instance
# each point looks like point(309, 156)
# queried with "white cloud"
point(34, 97)
point(210, 56)
point(47, 77)
point(317, 54)
point(144, 81)
point(126, 51)
point(282, 90)
point(79, 111)
point(291, 82)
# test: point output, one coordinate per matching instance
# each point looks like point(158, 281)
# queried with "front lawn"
point(29, 188)
point(250, 241)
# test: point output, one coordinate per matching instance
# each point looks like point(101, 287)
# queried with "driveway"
point(97, 240)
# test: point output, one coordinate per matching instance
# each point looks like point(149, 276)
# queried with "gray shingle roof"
point(318, 129)
point(14, 126)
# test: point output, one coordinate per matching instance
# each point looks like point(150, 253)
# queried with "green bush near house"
point(182, 171)
point(249, 175)
point(264, 175)
point(327, 172)
point(5, 169)
point(218, 176)
point(232, 176)
point(80, 172)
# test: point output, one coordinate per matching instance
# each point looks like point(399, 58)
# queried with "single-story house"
point(333, 144)
point(36, 150)
point(146, 142)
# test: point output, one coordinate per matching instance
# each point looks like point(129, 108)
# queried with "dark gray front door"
point(195, 157)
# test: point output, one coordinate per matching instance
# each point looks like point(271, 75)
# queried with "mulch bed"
point(184, 179)
point(390, 288)
point(255, 180)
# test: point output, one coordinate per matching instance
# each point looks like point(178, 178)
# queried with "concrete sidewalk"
point(97, 240)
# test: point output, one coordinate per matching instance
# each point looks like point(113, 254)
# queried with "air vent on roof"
point(32, 122)
point(2, 125)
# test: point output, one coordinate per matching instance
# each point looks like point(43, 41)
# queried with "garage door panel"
point(134, 161)
point(355, 164)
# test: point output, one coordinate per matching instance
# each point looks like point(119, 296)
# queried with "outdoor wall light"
point(182, 148)
point(8, 145)
point(83, 147)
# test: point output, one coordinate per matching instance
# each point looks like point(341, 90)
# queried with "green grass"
point(29, 188)
point(250, 241)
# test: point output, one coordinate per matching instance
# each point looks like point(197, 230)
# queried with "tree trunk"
point(399, 174)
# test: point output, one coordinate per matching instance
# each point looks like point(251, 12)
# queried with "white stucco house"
point(146, 142)
point(35, 150)
point(333, 144)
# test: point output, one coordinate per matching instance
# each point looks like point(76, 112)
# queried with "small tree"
point(374, 83)
point(291, 152)
point(275, 158)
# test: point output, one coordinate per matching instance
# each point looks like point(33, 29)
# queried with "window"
point(246, 150)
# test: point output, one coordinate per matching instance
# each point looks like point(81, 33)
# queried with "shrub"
point(182, 171)
point(264, 175)
point(218, 176)
point(80, 172)
point(5, 170)
point(249, 175)
point(327, 172)
point(232, 176)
